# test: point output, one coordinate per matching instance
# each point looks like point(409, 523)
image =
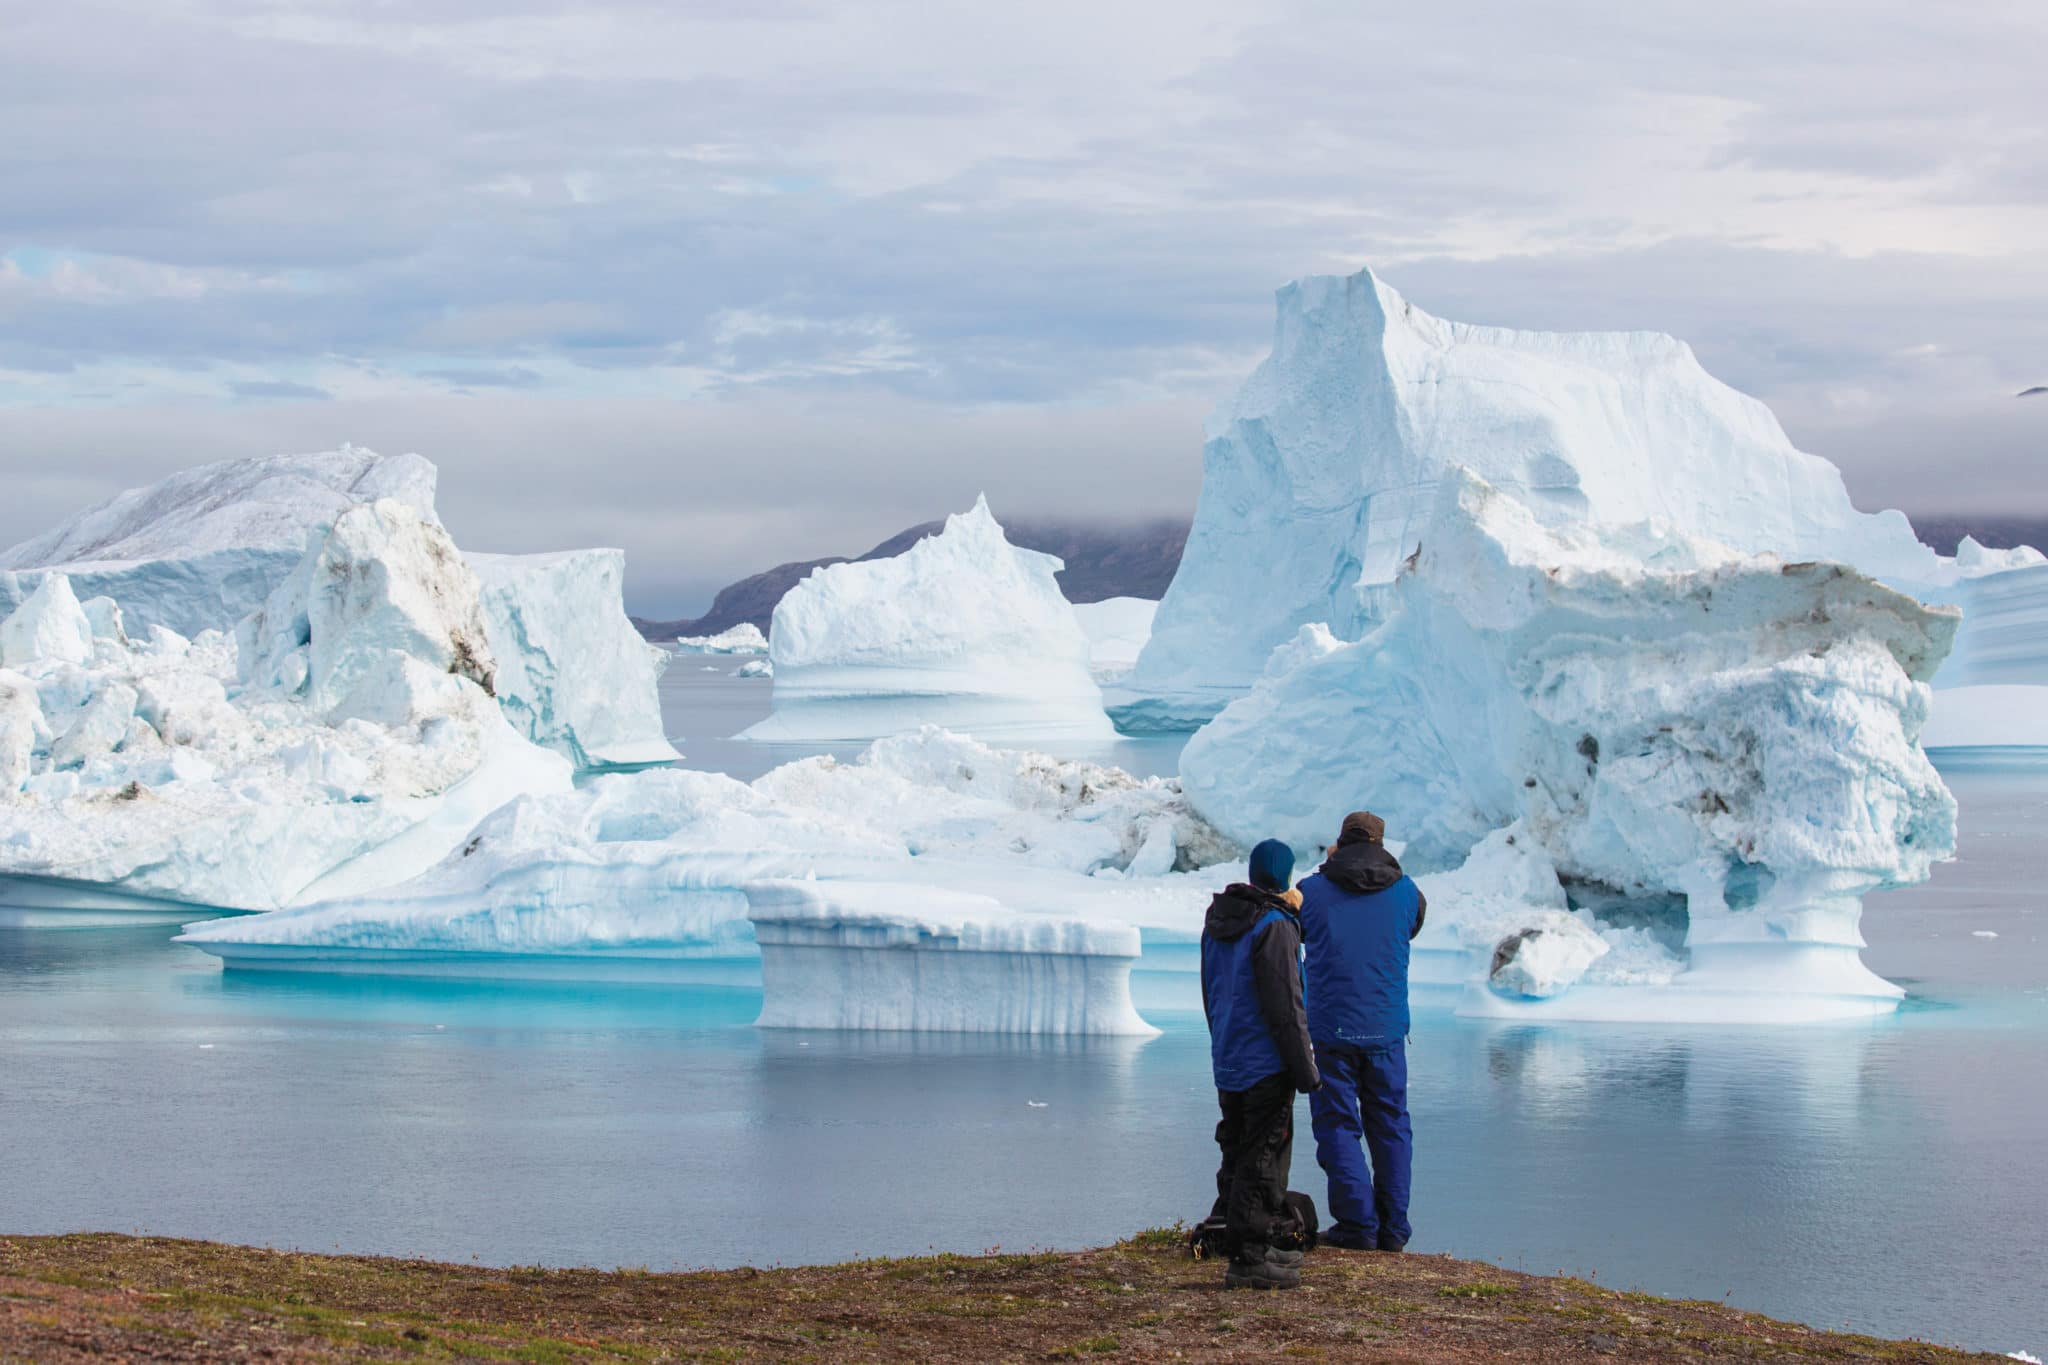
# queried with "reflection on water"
point(1885, 1175)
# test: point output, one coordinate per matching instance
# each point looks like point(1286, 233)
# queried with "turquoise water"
point(1887, 1176)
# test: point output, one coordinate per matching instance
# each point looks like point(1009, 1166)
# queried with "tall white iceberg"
point(963, 630)
point(1664, 717)
point(1319, 476)
point(202, 548)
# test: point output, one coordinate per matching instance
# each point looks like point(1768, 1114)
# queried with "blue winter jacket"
point(1358, 913)
point(1251, 991)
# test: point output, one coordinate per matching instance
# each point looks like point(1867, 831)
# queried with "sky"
point(733, 283)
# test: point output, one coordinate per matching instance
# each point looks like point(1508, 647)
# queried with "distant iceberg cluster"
point(1642, 697)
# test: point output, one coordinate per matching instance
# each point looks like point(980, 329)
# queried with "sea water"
point(1887, 1177)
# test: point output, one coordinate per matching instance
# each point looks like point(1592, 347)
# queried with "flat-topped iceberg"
point(651, 864)
point(205, 546)
point(1319, 477)
point(347, 739)
point(1668, 720)
point(963, 630)
point(869, 955)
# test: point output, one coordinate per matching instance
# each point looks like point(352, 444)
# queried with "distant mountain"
point(1992, 531)
point(1103, 561)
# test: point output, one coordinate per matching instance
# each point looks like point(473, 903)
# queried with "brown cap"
point(1362, 825)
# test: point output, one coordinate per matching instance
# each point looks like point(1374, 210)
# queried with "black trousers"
point(1257, 1141)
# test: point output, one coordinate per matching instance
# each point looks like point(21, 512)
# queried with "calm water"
point(1886, 1176)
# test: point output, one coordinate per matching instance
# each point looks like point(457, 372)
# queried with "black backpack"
point(1296, 1232)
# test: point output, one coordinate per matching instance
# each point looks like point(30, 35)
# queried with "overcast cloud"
point(728, 283)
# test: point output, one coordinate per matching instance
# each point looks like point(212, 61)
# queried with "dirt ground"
point(100, 1297)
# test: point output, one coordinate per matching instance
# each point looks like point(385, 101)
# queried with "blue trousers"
point(1365, 1095)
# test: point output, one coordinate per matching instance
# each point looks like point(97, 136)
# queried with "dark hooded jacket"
point(1251, 990)
point(1358, 913)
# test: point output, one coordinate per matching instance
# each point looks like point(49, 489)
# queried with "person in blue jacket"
point(1358, 914)
point(1260, 1053)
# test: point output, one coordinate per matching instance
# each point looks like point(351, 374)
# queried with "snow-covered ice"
point(1117, 630)
point(879, 955)
point(744, 638)
point(755, 668)
point(651, 863)
point(573, 674)
point(963, 630)
point(205, 546)
point(1318, 478)
point(1666, 719)
point(348, 738)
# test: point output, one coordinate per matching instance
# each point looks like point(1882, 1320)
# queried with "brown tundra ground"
point(101, 1297)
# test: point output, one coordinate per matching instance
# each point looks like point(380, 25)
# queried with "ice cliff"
point(573, 674)
point(1320, 475)
point(346, 737)
point(1665, 719)
point(867, 955)
point(963, 630)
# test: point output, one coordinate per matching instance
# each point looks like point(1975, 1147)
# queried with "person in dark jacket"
point(1259, 1050)
point(1358, 914)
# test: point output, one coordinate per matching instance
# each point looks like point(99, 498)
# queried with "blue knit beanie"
point(1272, 866)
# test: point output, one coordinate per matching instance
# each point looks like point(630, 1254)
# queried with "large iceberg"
point(631, 870)
point(1320, 475)
point(1678, 727)
point(348, 738)
point(869, 955)
point(963, 630)
point(204, 547)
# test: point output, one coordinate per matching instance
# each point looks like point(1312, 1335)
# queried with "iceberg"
point(1319, 477)
point(650, 866)
point(875, 955)
point(573, 675)
point(345, 738)
point(744, 638)
point(755, 668)
point(1993, 691)
point(1117, 629)
point(963, 630)
point(203, 548)
point(1726, 741)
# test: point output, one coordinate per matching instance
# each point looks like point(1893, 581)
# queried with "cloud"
point(733, 226)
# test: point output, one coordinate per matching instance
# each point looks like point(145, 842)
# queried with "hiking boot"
point(1394, 1248)
point(1282, 1257)
point(1346, 1237)
point(1255, 1271)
